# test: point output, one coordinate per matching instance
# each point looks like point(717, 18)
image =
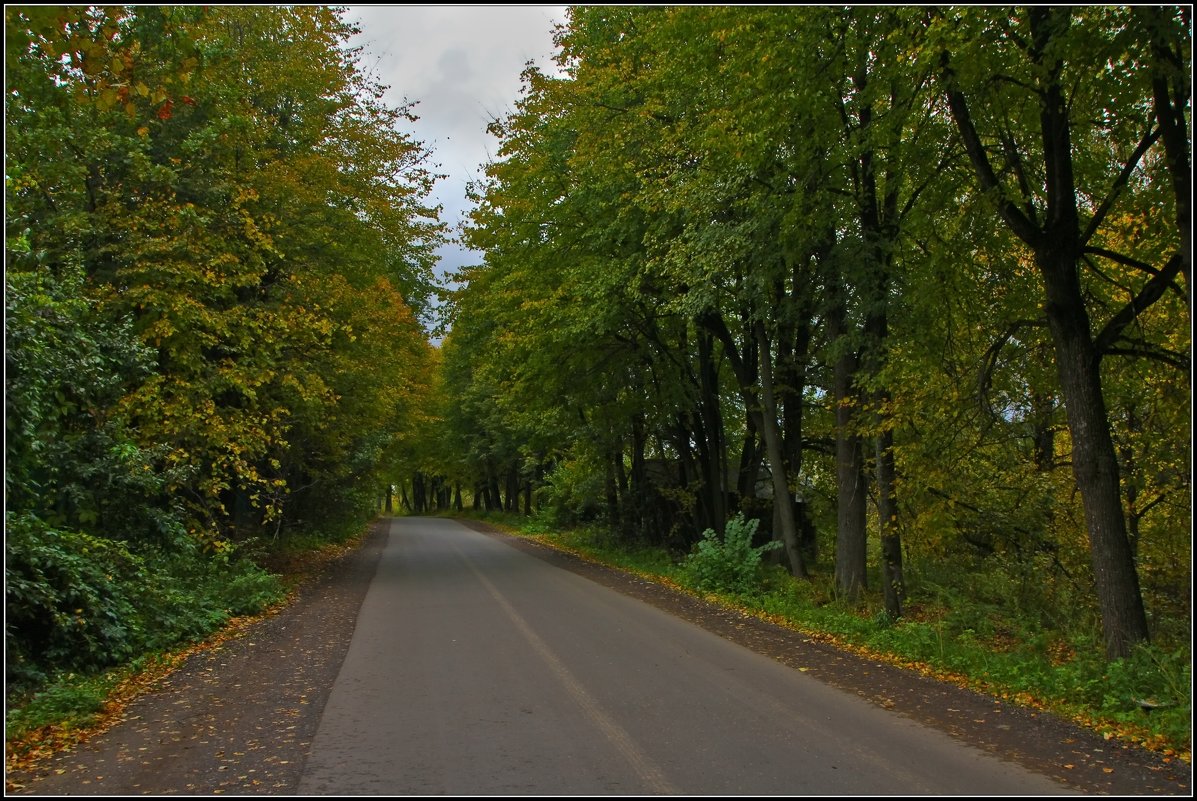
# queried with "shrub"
point(78, 602)
point(730, 564)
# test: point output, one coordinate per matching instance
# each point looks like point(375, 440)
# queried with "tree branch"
point(1022, 227)
point(1014, 159)
point(1178, 360)
point(1143, 512)
point(1099, 216)
point(1136, 264)
point(1113, 255)
point(1149, 294)
point(1093, 266)
point(989, 360)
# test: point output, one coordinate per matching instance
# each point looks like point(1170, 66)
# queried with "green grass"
point(989, 635)
point(70, 701)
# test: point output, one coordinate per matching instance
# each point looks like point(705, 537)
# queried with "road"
point(478, 669)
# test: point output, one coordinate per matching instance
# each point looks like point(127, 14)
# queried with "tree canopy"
point(219, 252)
point(922, 273)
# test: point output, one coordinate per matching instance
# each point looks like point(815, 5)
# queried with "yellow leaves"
point(107, 98)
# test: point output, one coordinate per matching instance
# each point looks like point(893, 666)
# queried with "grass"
point(991, 638)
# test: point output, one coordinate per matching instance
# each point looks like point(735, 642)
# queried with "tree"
point(1057, 148)
point(229, 181)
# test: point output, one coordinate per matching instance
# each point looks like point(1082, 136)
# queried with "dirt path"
point(240, 719)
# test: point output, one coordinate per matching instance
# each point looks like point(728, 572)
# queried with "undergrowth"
point(112, 617)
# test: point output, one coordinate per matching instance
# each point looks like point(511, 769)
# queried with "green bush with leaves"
point(79, 602)
point(731, 564)
point(571, 490)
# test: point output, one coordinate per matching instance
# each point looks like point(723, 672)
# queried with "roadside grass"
point(72, 707)
point(970, 639)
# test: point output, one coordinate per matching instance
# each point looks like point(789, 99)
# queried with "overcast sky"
point(462, 65)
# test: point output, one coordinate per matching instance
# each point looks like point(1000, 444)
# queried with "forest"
point(905, 291)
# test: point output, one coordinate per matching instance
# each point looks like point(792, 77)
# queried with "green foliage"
point(70, 700)
point(78, 602)
point(67, 598)
point(245, 212)
point(729, 563)
point(697, 171)
point(71, 457)
point(572, 490)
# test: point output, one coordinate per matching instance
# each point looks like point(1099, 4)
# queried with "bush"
point(68, 604)
point(570, 490)
point(78, 602)
point(732, 564)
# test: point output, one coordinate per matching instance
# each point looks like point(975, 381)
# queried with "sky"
point(461, 65)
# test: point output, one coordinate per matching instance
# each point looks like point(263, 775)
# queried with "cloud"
point(462, 66)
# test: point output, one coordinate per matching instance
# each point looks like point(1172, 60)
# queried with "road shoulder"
point(237, 719)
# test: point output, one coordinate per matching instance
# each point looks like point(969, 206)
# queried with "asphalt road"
point(475, 668)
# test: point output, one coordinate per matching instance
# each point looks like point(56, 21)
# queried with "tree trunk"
point(791, 369)
point(1094, 460)
point(877, 330)
point(417, 493)
point(715, 461)
point(495, 502)
point(893, 584)
point(611, 492)
point(851, 534)
point(751, 456)
point(511, 489)
point(781, 490)
point(638, 480)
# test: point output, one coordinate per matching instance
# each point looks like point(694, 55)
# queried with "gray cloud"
point(461, 65)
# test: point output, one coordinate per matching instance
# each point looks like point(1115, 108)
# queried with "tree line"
point(218, 270)
point(922, 275)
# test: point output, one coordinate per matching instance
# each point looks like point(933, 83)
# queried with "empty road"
point(475, 668)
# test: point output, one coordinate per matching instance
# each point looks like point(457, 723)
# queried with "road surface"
point(435, 659)
point(477, 669)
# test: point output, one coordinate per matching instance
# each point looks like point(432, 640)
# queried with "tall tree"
point(1036, 119)
point(229, 181)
